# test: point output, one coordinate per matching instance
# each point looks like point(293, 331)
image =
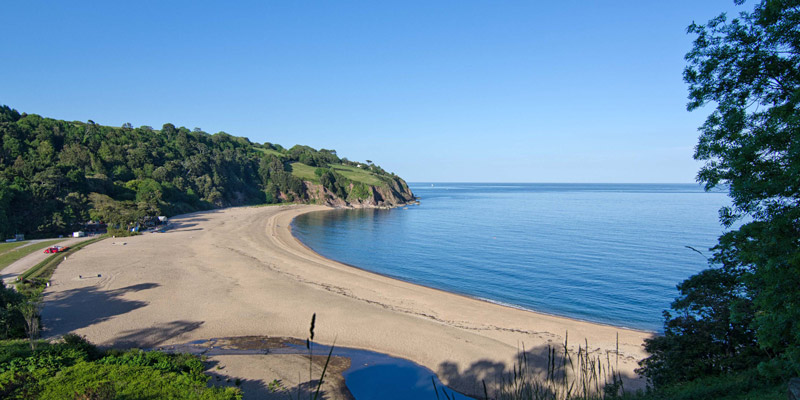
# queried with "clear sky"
point(480, 91)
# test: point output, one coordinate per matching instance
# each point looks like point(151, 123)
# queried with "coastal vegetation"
point(736, 326)
point(73, 368)
point(56, 175)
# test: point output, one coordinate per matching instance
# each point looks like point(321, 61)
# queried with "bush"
point(708, 334)
point(74, 368)
point(12, 323)
point(734, 386)
point(128, 382)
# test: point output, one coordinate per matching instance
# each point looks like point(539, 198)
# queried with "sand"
point(240, 272)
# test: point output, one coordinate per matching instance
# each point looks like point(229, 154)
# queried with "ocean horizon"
point(605, 253)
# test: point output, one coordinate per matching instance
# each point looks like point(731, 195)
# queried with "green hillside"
point(55, 175)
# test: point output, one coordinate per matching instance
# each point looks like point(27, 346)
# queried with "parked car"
point(56, 249)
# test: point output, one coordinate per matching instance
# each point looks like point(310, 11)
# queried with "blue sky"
point(483, 91)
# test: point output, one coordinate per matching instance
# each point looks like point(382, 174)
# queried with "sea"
point(607, 253)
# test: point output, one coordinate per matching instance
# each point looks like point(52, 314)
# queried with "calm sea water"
point(609, 253)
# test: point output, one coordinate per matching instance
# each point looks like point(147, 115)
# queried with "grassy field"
point(275, 153)
point(304, 172)
point(4, 247)
point(358, 175)
point(10, 256)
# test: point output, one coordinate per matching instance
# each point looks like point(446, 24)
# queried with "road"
point(10, 273)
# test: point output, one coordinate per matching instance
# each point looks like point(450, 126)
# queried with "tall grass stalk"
point(568, 375)
point(276, 386)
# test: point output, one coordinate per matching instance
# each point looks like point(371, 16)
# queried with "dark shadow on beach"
point(185, 225)
point(153, 335)
point(260, 389)
point(66, 311)
point(542, 368)
point(181, 223)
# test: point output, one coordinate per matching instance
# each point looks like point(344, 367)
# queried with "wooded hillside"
point(55, 175)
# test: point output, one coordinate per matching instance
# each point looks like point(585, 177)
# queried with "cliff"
point(391, 194)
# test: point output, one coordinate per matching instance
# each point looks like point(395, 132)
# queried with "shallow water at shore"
point(371, 375)
point(609, 253)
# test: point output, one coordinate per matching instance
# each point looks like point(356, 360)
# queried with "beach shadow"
point(270, 388)
point(180, 223)
point(260, 389)
point(185, 224)
point(543, 367)
point(154, 335)
point(67, 311)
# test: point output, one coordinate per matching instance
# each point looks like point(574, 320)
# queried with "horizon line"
point(568, 183)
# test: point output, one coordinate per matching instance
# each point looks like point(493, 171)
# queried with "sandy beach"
point(240, 272)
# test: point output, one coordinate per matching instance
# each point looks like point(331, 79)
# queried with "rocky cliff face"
point(392, 194)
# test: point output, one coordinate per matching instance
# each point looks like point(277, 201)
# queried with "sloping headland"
point(57, 175)
point(240, 272)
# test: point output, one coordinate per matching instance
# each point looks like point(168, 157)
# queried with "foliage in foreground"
point(742, 385)
point(743, 312)
point(75, 368)
point(703, 335)
point(12, 322)
point(573, 375)
point(566, 375)
point(749, 67)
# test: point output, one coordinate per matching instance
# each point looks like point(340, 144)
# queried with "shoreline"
point(241, 272)
point(465, 295)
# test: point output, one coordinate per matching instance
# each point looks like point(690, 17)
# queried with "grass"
point(10, 256)
point(358, 175)
point(9, 246)
point(273, 152)
point(571, 375)
point(304, 172)
point(42, 271)
point(277, 387)
point(568, 375)
point(75, 369)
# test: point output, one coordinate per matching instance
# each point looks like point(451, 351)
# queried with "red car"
point(56, 249)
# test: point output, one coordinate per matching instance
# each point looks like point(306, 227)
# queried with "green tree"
point(12, 321)
point(749, 68)
point(703, 335)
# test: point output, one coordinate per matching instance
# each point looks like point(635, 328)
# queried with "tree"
point(30, 311)
point(704, 335)
point(12, 321)
point(749, 68)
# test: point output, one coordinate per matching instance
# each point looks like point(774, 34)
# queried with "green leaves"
point(749, 67)
point(122, 175)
